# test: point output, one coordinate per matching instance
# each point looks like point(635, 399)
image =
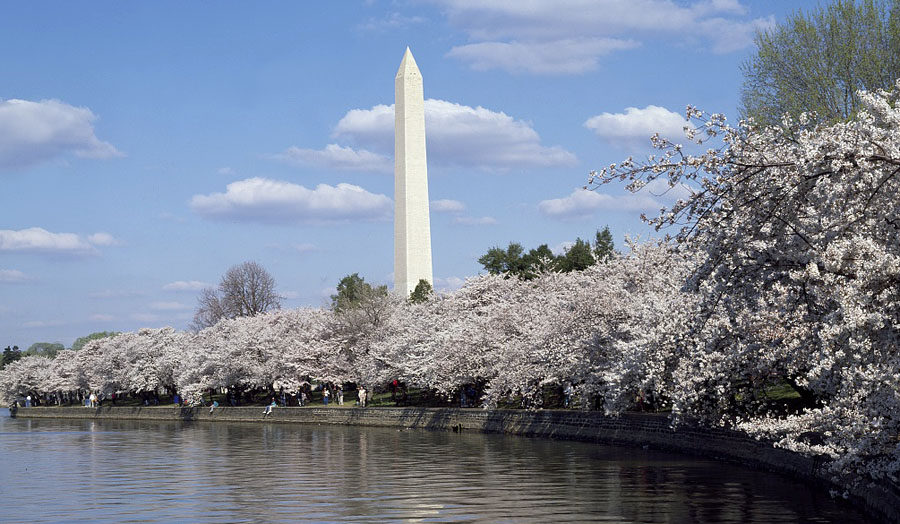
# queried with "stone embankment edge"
point(881, 501)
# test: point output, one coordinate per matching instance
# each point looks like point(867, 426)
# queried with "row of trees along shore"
point(782, 272)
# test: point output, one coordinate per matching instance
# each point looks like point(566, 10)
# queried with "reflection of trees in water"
point(269, 472)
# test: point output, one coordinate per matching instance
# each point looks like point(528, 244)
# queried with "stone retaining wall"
point(882, 501)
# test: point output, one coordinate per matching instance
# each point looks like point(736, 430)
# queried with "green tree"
point(538, 260)
point(10, 355)
point(604, 248)
point(360, 309)
point(513, 261)
point(498, 261)
point(422, 292)
point(81, 341)
point(45, 349)
point(353, 291)
point(818, 61)
point(577, 258)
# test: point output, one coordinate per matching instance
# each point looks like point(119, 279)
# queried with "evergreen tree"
point(513, 261)
point(603, 245)
point(352, 291)
point(10, 355)
point(422, 292)
point(577, 258)
point(537, 261)
point(498, 261)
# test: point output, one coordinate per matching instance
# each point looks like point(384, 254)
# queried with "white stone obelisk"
point(412, 226)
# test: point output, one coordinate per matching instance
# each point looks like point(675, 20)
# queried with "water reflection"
point(128, 471)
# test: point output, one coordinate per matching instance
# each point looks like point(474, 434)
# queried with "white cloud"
point(569, 56)
point(225, 170)
point(733, 35)
point(102, 239)
point(38, 240)
point(447, 206)
point(583, 203)
point(13, 275)
point(34, 132)
point(169, 306)
point(569, 36)
point(264, 200)
point(458, 135)
point(373, 127)
point(338, 158)
point(719, 6)
point(638, 125)
point(475, 221)
point(449, 283)
point(186, 285)
point(289, 295)
point(102, 317)
point(561, 248)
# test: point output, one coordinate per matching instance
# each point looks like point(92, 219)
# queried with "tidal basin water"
point(134, 471)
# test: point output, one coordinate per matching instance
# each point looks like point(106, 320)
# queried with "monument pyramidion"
point(412, 226)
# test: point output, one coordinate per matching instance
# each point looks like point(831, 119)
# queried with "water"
point(135, 471)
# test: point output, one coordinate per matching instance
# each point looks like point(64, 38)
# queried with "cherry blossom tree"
point(65, 375)
point(308, 347)
point(27, 376)
point(784, 268)
point(799, 233)
point(624, 320)
point(104, 363)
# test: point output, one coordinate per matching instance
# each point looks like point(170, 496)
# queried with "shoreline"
point(629, 429)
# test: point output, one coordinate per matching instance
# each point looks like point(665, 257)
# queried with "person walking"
point(362, 396)
point(340, 395)
point(325, 395)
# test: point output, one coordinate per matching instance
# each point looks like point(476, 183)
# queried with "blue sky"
point(147, 147)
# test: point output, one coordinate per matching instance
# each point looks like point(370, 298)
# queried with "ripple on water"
point(131, 471)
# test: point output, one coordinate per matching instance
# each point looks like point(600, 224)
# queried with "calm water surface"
point(135, 471)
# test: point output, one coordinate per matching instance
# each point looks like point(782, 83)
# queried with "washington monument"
point(412, 226)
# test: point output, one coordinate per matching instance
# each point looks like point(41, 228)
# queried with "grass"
point(781, 392)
